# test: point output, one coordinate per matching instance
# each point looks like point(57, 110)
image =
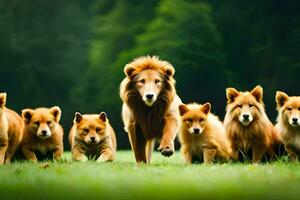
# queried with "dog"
point(248, 126)
point(11, 131)
point(42, 134)
point(92, 136)
point(288, 123)
point(150, 106)
point(202, 135)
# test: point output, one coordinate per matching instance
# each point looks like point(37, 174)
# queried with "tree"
point(184, 33)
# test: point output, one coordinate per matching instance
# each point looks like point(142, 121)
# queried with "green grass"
point(165, 178)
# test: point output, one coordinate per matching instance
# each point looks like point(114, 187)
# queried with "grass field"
point(165, 178)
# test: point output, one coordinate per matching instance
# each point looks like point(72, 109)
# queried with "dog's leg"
point(3, 149)
point(12, 147)
point(57, 154)
point(257, 153)
point(168, 136)
point(149, 149)
point(106, 155)
point(292, 154)
point(138, 143)
point(187, 154)
point(78, 154)
point(208, 155)
point(29, 154)
point(234, 151)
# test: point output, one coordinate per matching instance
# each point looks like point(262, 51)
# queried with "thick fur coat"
point(288, 123)
point(202, 135)
point(248, 126)
point(150, 106)
point(11, 131)
point(92, 137)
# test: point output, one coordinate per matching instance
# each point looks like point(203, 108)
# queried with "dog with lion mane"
point(150, 106)
point(248, 126)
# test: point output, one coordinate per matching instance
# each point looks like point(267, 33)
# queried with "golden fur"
point(288, 123)
point(42, 133)
point(247, 124)
point(209, 142)
point(146, 119)
point(92, 137)
point(11, 131)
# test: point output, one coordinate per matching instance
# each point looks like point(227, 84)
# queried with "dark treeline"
point(72, 53)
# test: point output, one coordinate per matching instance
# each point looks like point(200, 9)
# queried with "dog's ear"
point(257, 92)
point(27, 115)
point(78, 117)
point(102, 116)
point(169, 70)
point(2, 99)
point(206, 108)
point(281, 98)
point(56, 112)
point(231, 94)
point(128, 70)
point(183, 109)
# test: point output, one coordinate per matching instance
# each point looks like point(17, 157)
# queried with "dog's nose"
point(149, 96)
point(196, 130)
point(295, 120)
point(246, 116)
point(93, 139)
point(44, 132)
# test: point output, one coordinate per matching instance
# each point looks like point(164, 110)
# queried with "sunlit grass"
point(165, 178)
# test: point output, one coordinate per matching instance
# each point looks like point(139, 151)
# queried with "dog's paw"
point(105, 158)
point(81, 159)
point(166, 150)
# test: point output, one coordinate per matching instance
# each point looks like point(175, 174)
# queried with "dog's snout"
point(93, 139)
point(295, 120)
point(196, 130)
point(44, 132)
point(246, 116)
point(149, 96)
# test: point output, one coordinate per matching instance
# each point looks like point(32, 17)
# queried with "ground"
point(165, 178)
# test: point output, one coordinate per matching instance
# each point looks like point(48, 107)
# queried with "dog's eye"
point(201, 120)
point(86, 130)
point(142, 81)
point(157, 80)
point(189, 120)
point(37, 123)
point(98, 129)
point(289, 108)
point(250, 105)
point(299, 108)
point(239, 106)
point(48, 122)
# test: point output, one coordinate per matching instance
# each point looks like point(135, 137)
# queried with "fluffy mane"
point(149, 119)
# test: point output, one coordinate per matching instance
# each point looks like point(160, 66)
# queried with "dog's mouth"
point(295, 124)
point(149, 103)
point(92, 142)
point(245, 122)
point(43, 137)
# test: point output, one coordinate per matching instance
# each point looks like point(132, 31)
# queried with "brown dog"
point(288, 123)
point(150, 106)
point(247, 124)
point(92, 137)
point(202, 135)
point(11, 131)
point(42, 133)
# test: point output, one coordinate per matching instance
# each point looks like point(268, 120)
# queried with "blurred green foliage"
point(72, 53)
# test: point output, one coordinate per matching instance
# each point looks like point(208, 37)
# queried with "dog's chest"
point(43, 148)
point(197, 147)
point(294, 140)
